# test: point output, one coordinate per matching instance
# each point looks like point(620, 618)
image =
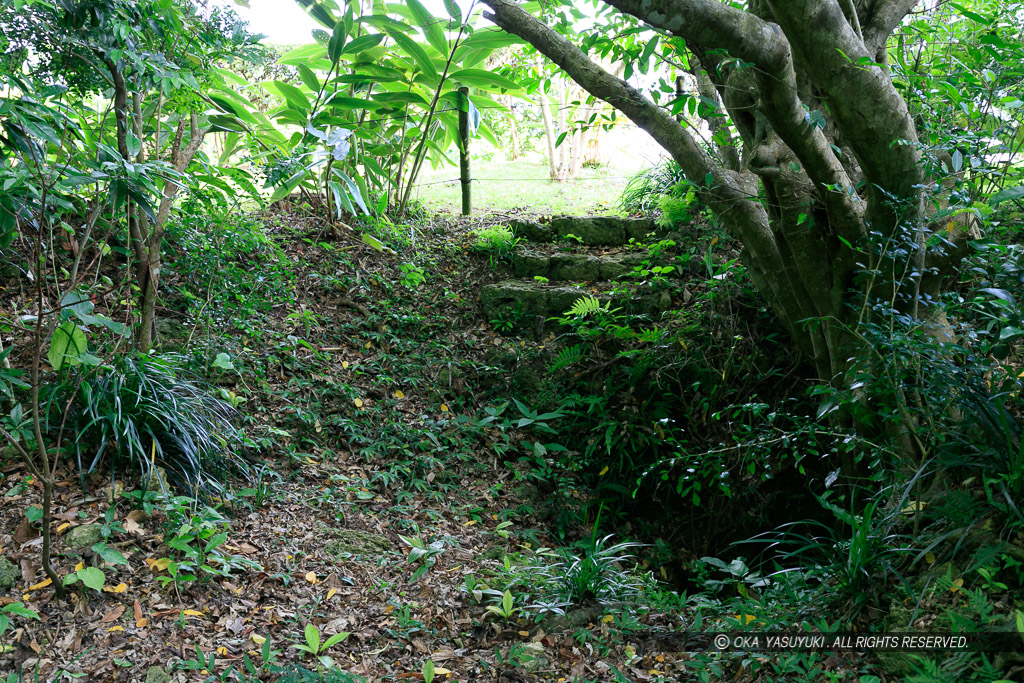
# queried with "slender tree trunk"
point(549, 130)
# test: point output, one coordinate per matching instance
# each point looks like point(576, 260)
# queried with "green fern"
point(584, 306)
point(570, 355)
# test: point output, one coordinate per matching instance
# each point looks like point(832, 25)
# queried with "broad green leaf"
point(402, 98)
point(74, 303)
point(1008, 194)
point(414, 50)
point(66, 345)
point(363, 43)
point(430, 25)
point(336, 638)
point(309, 78)
point(487, 38)
point(303, 54)
point(481, 78)
point(349, 103)
point(92, 577)
point(318, 12)
point(337, 43)
point(289, 92)
point(109, 555)
point(454, 11)
point(313, 638)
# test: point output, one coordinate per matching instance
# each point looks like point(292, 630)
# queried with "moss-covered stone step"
point(598, 231)
point(528, 304)
point(574, 267)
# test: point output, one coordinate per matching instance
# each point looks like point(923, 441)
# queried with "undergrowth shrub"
point(143, 412)
point(496, 241)
point(645, 190)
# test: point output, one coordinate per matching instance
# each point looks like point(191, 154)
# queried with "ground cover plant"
point(264, 416)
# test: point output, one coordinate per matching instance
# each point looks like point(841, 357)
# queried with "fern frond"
point(570, 355)
point(584, 306)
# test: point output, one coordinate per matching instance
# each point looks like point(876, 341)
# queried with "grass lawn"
point(501, 186)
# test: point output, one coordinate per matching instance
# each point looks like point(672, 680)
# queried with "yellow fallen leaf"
point(222, 651)
point(369, 345)
point(469, 523)
point(311, 577)
point(607, 619)
point(524, 634)
point(331, 593)
point(42, 584)
point(344, 364)
point(112, 629)
point(259, 640)
point(158, 565)
point(441, 670)
point(359, 403)
point(79, 566)
point(399, 394)
point(957, 585)
point(62, 527)
point(191, 613)
point(746, 618)
point(603, 472)
point(119, 588)
point(142, 623)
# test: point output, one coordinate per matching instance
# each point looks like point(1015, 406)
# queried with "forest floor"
point(392, 503)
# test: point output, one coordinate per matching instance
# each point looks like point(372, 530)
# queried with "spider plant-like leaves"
point(145, 412)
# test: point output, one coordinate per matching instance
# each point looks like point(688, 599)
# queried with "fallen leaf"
point(311, 577)
point(191, 613)
point(142, 623)
point(63, 527)
point(137, 613)
point(113, 615)
point(222, 651)
point(399, 394)
point(25, 532)
point(119, 588)
point(114, 629)
point(259, 640)
point(331, 593)
point(42, 584)
point(158, 565)
point(359, 403)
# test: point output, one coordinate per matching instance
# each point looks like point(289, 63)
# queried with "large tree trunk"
point(838, 192)
point(826, 194)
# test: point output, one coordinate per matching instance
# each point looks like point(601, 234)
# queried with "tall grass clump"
point(144, 412)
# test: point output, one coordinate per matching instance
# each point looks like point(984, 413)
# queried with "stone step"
point(574, 267)
point(598, 231)
point(529, 304)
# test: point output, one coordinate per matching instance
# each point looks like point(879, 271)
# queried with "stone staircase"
point(566, 258)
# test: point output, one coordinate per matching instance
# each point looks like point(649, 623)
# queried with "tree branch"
point(713, 25)
point(883, 21)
